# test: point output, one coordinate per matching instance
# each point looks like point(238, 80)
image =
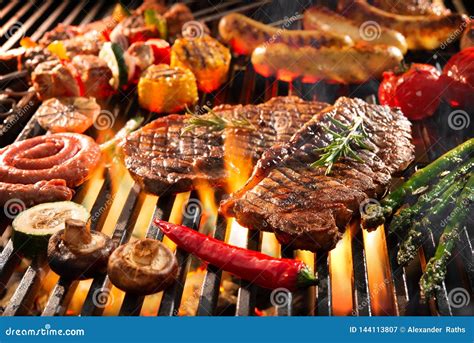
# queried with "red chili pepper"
point(253, 266)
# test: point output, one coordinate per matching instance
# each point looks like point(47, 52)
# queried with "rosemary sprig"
point(214, 122)
point(343, 143)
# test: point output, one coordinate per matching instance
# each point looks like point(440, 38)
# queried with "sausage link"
point(421, 31)
point(245, 34)
point(349, 65)
point(323, 19)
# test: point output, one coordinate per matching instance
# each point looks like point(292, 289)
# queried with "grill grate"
point(244, 87)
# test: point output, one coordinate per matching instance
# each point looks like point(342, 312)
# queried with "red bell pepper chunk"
point(161, 50)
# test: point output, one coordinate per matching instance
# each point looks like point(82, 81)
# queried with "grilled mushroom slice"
point(142, 267)
point(78, 253)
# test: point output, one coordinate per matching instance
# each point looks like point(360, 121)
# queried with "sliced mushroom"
point(78, 253)
point(142, 267)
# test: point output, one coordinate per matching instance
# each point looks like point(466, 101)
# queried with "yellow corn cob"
point(208, 59)
point(166, 89)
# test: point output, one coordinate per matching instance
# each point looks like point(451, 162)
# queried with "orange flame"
point(380, 284)
point(209, 207)
point(239, 167)
point(341, 275)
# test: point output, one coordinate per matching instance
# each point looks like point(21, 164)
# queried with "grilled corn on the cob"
point(208, 59)
point(166, 89)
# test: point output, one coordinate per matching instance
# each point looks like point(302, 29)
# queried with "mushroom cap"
point(79, 265)
point(129, 274)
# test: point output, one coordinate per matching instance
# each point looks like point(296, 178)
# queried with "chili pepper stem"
point(306, 278)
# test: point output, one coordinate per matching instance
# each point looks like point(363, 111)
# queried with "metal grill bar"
point(172, 296)
point(398, 275)
point(286, 307)
point(246, 296)
point(49, 23)
point(15, 37)
point(361, 283)
point(75, 13)
point(324, 287)
point(212, 280)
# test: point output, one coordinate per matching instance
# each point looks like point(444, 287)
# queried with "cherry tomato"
point(416, 90)
point(161, 50)
point(458, 79)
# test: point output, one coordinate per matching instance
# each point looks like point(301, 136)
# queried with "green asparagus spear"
point(402, 220)
point(436, 268)
point(421, 178)
point(130, 126)
point(413, 240)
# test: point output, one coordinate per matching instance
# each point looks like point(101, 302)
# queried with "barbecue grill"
point(360, 277)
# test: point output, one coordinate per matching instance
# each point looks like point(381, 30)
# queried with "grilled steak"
point(163, 161)
point(305, 208)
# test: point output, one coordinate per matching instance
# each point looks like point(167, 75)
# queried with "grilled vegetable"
point(33, 227)
point(119, 13)
point(130, 126)
point(113, 54)
point(156, 21)
point(253, 266)
point(164, 89)
point(413, 240)
point(161, 50)
point(415, 90)
point(427, 200)
point(57, 48)
point(435, 270)
point(78, 253)
point(74, 114)
point(375, 214)
point(208, 59)
point(142, 267)
point(458, 79)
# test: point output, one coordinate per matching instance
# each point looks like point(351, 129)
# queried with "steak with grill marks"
point(307, 209)
point(164, 161)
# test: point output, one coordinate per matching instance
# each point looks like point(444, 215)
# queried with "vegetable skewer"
point(422, 177)
point(436, 268)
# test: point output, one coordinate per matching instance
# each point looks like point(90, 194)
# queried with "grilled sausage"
point(413, 7)
point(323, 19)
point(65, 156)
point(341, 65)
point(35, 193)
point(245, 34)
point(421, 31)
